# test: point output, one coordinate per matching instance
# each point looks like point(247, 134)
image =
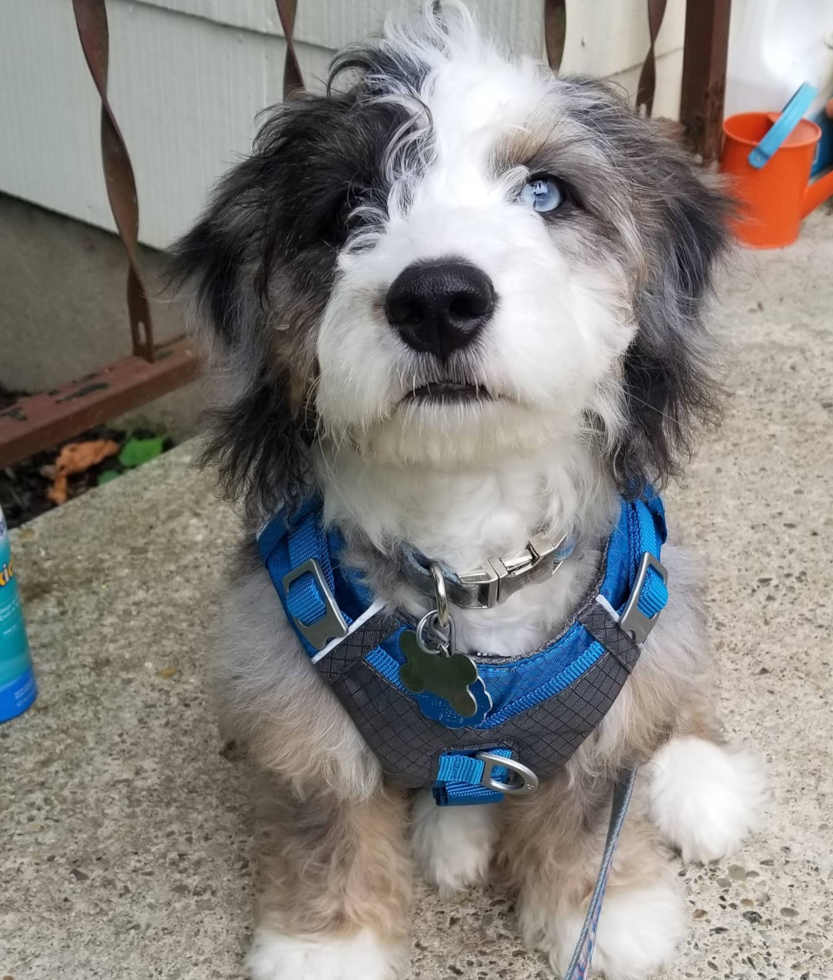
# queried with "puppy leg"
point(453, 845)
point(552, 849)
point(705, 797)
point(337, 890)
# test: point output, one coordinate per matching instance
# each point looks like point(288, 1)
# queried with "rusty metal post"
point(555, 31)
point(648, 76)
point(39, 421)
point(293, 80)
point(93, 32)
point(704, 74)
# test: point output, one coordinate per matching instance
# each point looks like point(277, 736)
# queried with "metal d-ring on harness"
point(474, 729)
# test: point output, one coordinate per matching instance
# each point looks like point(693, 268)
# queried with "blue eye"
point(542, 194)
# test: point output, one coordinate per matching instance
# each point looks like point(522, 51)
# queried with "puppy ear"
point(257, 445)
point(256, 427)
point(668, 386)
point(261, 264)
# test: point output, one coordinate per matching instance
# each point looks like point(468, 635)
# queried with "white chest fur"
point(463, 517)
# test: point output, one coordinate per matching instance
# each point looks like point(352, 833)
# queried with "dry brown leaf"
point(78, 457)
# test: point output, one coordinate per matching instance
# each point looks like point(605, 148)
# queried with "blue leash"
point(579, 967)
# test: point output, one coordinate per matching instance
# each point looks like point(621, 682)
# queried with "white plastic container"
point(774, 46)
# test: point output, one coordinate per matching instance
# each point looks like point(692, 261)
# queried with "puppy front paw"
point(275, 956)
point(453, 846)
point(705, 798)
point(639, 930)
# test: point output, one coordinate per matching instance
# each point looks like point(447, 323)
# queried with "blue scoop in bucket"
point(791, 115)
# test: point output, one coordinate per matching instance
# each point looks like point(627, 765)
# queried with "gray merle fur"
point(669, 388)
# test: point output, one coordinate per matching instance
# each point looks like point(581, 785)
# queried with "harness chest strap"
point(544, 704)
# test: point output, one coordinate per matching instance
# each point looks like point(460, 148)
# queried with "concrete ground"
point(126, 844)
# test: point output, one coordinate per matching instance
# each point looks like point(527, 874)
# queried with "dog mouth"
point(439, 392)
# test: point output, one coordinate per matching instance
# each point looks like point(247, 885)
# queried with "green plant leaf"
point(138, 451)
point(107, 476)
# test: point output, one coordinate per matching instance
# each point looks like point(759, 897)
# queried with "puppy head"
point(450, 257)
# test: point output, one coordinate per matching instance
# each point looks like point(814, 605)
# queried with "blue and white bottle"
point(17, 679)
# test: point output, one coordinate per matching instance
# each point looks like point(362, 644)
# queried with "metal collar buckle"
point(499, 578)
point(521, 778)
point(632, 620)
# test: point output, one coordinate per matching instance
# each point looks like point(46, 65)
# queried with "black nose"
point(439, 306)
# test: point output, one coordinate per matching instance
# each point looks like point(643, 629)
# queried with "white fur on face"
point(561, 318)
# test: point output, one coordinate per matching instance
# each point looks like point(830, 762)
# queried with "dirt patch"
point(24, 486)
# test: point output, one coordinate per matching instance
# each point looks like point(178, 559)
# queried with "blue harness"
point(540, 706)
point(533, 710)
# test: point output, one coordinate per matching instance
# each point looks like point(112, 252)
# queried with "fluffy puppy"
point(568, 365)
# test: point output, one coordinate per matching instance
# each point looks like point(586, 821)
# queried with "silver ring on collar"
point(431, 639)
point(440, 594)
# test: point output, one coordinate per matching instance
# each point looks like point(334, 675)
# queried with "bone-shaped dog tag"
point(449, 677)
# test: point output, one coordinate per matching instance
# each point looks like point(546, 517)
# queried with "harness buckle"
point(499, 578)
point(331, 625)
point(522, 778)
point(633, 620)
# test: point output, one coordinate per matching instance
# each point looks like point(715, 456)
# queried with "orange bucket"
point(774, 196)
